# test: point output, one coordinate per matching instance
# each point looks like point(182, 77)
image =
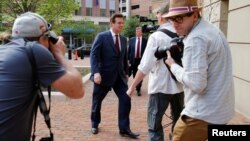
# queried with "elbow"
point(199, 88)
point(197, 83)
point(70, 85)
point(77, 94)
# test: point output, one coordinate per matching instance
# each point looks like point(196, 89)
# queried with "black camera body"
point(146, 27)
point(53, 37)
point(149, 28)
point(176, 50)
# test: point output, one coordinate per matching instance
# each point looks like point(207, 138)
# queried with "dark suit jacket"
point(131, 49)
point(105, 60)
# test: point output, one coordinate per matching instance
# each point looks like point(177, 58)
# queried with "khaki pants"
point(190, 129)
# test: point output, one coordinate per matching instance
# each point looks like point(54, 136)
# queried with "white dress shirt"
point(113, 35)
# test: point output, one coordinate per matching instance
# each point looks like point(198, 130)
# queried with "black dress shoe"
point(94, 130)
point(129, 133)
point(139, 93)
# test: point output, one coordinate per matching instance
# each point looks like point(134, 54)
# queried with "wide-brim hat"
point(179, 7)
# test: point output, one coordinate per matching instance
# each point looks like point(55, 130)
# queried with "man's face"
point(117, 26)
point(184, 23)
point(138, 32)
point(158, 16)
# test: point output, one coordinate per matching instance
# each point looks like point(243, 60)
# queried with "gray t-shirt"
point(16, 84)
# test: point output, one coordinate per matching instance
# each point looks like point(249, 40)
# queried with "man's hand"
point(59, 47)
point(169, 61)
point(130, 91)
point(97, 78)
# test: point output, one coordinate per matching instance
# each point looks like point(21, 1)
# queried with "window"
point(111, 7)
point(103, 12)
point(102, 4)
point(150, 9)
point(123, 9)
point(111, 12)
point(88, 11)
point(112, 4)
point(79, 11)
point(89, 3)
point(135, 7)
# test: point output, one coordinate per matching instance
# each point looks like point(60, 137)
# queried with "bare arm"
point(138, 78)
point(71, 82)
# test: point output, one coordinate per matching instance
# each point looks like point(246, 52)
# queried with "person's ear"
point(43, 28)
point(196, 15)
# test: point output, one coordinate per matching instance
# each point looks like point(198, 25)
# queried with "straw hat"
point(179, 7)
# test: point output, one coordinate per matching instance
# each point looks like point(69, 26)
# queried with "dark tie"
point(138, 49)
point(117, 44)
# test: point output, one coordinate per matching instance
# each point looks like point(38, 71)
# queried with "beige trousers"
point(190, 129)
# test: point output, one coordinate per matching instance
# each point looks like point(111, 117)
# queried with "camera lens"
point(53, 37)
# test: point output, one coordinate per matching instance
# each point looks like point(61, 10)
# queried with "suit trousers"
point(134, 71)
point(100, 92)
point(157, 106)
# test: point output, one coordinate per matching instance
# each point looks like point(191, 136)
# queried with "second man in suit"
point(136, 49)
point(109, 69)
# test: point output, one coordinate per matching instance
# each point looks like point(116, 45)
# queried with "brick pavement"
point(71, 118)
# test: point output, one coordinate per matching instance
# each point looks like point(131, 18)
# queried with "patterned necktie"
point(138, 49)
point(117, 44)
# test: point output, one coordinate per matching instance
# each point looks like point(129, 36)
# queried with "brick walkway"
point(71, 118)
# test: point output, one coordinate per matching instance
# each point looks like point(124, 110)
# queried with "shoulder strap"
point(168, 32)
point(172, 35)
point(40, 98)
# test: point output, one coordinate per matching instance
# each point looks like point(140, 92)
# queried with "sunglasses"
point(179, 19)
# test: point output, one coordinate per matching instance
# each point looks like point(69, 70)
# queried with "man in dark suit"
point(136, 49)
point(109, 68)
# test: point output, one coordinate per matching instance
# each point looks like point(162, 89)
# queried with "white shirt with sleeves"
point(160, 80)
point(207, 75)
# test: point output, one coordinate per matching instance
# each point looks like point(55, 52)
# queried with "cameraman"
point(162, 88)
point(17, 102)
point(206, 73)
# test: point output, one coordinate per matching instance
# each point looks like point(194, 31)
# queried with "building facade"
point(139, 7)
point(98, 11)
point(231, 16)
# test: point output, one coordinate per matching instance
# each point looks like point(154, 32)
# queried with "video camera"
point(148, 28)
point(176, 50)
